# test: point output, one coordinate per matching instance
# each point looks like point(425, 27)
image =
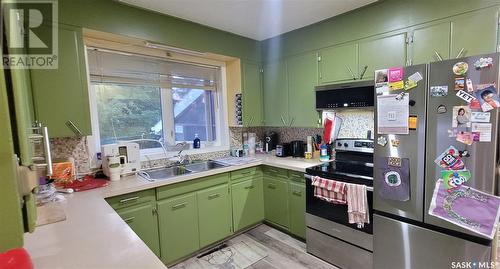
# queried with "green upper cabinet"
point(430, 42)
point(252, 95)
point(276, 201)
point(248, 203)
point(382, 52)
point(302, 73)
point(142, 219)
point(275, 94)
point(475, 33)
point(214, 214)
point(178, 222)
point(337, 62)
point(61, 96)
point(297, 203)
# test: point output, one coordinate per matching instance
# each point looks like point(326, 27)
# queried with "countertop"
point(94, 236)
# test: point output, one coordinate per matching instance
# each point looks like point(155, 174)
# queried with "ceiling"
point(256, 19)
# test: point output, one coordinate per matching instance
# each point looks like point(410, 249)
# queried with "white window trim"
point(221, 119)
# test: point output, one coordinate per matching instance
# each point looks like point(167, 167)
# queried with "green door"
point(252, 95)
point(429, 42)
point(276, 201)
point(302, 78)
point(178, 222)
point(275, 94)
point(143, 221)
point(248, 203)
point(61, 95)
point(384, 52)
point(475, 33)
point(214, 213)
point(337, 62)
point(297, 201)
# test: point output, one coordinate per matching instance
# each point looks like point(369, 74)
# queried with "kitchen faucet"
point(183, 159)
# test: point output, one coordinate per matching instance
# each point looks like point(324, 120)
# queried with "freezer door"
point(410, 146)
point(481, 162)
point(401, 245)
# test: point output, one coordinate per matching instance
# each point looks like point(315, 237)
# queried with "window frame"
point(222, 142)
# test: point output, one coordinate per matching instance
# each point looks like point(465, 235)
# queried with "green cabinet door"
point(61, 96)
point(383, 52)
point(178, 226)
point(252, 95)
point(431, 42)
point(143, 221)
point(302, 76)
point(275, 94)
point(474, 33)
point(214, 214)
point(337, 62)
point(297, 202)
point(276, 201)
point(248, 203)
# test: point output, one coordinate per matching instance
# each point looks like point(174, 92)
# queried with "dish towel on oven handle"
point(357, 204)
point(329, 190)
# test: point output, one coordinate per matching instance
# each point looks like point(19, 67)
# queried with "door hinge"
point(409, 39)
point(261, 70)
point(319, 58)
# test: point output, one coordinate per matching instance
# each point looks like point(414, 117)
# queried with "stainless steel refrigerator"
point(405, 235)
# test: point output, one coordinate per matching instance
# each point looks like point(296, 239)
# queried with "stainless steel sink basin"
point(204, 166)
point(164, 173)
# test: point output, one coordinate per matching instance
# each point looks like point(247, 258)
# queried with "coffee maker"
point(270, 141)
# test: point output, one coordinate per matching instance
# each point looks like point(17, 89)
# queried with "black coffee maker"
point(270, 141)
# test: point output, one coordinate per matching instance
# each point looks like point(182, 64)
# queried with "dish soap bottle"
point(196, 142)
point(323, 153)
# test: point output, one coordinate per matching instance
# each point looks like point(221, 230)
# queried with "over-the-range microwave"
point(345, 95)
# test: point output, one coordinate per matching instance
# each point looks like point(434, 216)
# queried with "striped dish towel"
point(329, 190)
point(357, 205)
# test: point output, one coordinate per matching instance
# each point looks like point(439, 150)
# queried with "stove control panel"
point(358, 145)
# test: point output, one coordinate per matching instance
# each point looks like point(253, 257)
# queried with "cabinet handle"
point(298, 193)
point(127, 220)
point(438, 56)
point(363, 72)
point(129, 199)
point(273, 171)
point(271, 186)
point(249, 187)
point(283, 120)
point(213, 196)
point(246, 173)
point(291, 122)
point(460, 53)
point(179, 206)
point(350, 71)
point(75, 129)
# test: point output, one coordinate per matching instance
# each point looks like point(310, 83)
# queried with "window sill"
point(158, 154)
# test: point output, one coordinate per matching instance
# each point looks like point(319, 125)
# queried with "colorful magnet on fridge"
point(398, 85)
point(439, 91)
point(483, 63)
point(454, 179)
point(470, 88)
point(392, 178)
point(416, 77)
point(441, 109)
point(465, 137)
point(410, 84)
point(459, 83)
point(395, 142)
point(400, 96)
point(395, 74)
point(464, 153)
point(382, 141)
point(394, 161)
point(465, 96)
point(460, 68)
point(450, 159)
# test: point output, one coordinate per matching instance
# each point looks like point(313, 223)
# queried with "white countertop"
point(94, 236)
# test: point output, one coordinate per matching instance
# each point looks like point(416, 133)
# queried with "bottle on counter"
point(196, 142)
point(323, 153)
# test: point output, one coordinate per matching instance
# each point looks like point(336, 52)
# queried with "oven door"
point(335, 212)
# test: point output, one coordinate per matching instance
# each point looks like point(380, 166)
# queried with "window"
point(140, 97)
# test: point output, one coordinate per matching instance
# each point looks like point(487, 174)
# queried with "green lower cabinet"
point(297, 202)
point(276, 201)
point(179, 231)
point(142, 220)
point(214, 214)
point(248, 203)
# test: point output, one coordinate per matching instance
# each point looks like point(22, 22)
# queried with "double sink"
point(169, 172)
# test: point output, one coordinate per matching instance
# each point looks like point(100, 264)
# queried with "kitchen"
point(198, 133)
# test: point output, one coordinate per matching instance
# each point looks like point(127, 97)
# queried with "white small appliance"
point(128, 154)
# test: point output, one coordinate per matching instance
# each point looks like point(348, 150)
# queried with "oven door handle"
point(368, 188)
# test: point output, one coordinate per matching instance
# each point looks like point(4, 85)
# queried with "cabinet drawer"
point(296, 176)
point(270, 171)
point(246, 173)
point(133, 198)
point(191, 185)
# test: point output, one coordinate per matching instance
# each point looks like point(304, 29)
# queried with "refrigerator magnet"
point(412, 122)
point(477, 116)
point(416, 77)
point(459, 83)
point(450, 159)
point(465, 96)
point(393, 183)
point(395, 74)
point(460, 68)
point(398, 85)
point(465, 138)
point(439, 91)
point(454, 179)
point(410, 84)
point(441, 109)
point(395, 142)
point(483, 63)
point(394, 161)
point(381, 77)
point(382, 140)
point(470, 88)
point(483, 130)
point(461, 117)
point(488, 98)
